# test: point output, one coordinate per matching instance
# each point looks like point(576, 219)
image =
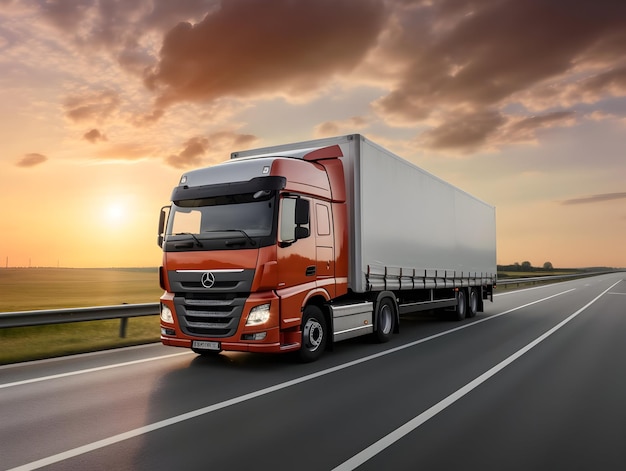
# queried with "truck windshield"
point(250, 214)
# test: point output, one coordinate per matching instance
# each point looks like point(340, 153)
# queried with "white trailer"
point(412, 236)
point(412, 229)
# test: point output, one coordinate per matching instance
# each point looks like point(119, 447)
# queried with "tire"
point(461, 308)
point(472, 303)
point(314, 334)
point(385, 320)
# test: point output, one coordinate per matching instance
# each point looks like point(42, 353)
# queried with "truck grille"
point(209, 316)
point(214, 311)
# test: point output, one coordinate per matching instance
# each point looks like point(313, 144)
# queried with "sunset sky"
point(103, 104)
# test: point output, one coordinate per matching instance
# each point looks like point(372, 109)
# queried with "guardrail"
point(125, 311)
point(62, 316)
point(539, 279)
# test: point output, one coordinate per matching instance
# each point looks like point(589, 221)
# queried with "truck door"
point(296, 248)
point(296, 254)
point(324, 251)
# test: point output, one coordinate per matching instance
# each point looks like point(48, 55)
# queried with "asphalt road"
point(538, 382)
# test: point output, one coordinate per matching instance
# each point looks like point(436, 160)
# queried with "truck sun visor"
point(271, 183)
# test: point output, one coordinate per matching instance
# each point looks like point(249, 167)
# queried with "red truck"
point(297, 246)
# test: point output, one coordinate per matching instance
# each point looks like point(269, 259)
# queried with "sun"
point(115, 213)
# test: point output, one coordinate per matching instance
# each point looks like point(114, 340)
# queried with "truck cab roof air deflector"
point(269, 183)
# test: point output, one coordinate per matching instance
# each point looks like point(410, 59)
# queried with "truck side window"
point(290, 230)
point(288, 220)
point(323, 220)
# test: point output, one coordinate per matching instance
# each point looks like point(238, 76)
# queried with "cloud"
point(524, 129)
point(490, 54)
point(147, 119)
point(125, 152)
point(278, 47)
point(475, 59)
point(590, 89)
point(217, 146)
point(595, 198)
point(66, 15)
point(92, 106)
point(510, 67)
point(94, 136)
point(191, 155)
point(600, 115)
point(464, 131)
point(110, 24)
point(346, 126)
point(126, 32)
point(612, 82)
point(31, 160)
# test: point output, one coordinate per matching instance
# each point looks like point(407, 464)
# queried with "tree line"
point(525, 267)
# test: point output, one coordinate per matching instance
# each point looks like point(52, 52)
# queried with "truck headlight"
point(166, 314)
point(259, 315)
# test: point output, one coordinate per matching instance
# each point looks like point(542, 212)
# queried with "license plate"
point(206, 345)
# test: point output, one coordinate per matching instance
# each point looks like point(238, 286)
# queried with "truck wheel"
point(385, 320)
point(472, 303)
point(461, 306)
point(314, 334)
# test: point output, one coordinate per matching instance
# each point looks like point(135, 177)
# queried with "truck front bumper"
point(271, 344)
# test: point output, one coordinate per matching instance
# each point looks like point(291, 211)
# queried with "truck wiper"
point(198, 243)
point(241, 231)
point(245, 234)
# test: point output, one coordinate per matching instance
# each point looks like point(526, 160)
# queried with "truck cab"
point(250, 245)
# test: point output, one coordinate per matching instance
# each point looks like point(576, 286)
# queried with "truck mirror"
point(162, 220)
point(301, 232)
point(302, 212)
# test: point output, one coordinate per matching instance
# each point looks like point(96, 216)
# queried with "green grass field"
point(26, 289)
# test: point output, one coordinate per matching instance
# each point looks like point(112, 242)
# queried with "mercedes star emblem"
point(208, 279)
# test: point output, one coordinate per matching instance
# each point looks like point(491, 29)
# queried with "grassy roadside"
point(47, 341)
point(26, 289)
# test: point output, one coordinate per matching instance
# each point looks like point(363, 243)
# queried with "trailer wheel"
point(461, 307)
point(385, 320)
point(472, 303)
point(314, 334)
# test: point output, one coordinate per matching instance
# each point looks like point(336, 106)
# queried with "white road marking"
point(246, 397)
point(90, 370)
point(385, 442)
point(517, 291)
